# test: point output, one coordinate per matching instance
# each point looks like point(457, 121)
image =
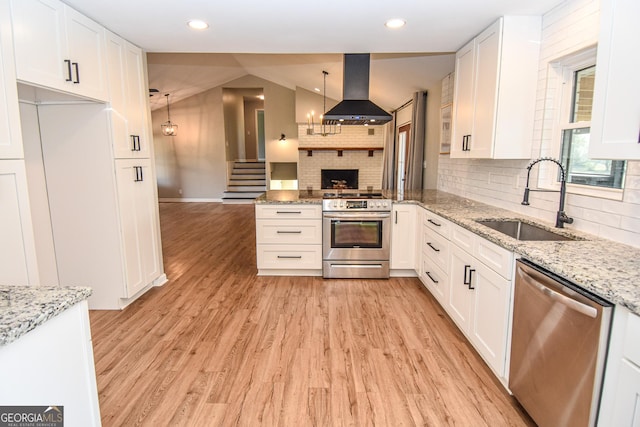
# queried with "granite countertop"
point(23, 308)
point(603, 267)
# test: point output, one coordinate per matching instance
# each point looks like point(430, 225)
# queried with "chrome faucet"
point(561, 217)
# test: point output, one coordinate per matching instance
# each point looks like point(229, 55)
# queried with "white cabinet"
point(615, 122)
point(104, 212)
point(495, 90)
point(53, 364)
point(128, 98)
point(289, 239)
point(137, 208)
point(10, 134)
point(59, 48)
point(434, 254)
point(403, 237)
point(480, 295)
point(18, 260)
point(620, 403)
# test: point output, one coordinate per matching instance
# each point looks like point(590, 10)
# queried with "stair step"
point(257, 165)
point(240, 177)
point(245, 188)
point(237, 201)
point(249, 171)
point(242, 194)
point(261, 182)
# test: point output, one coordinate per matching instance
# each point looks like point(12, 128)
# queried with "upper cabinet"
point(496, 75)
point(127, 92)
point(58, 48)
point(615, 122)
point(10, 134)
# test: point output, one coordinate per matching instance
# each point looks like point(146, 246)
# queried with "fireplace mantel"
point(339, 150)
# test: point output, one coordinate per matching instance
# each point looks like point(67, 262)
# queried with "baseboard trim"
point(187, 200)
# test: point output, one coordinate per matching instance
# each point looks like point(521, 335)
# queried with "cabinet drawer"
point(493, 256)
point(631, 343)
point(289, 257)
point(281, 211)
point(436, 223)
point(283, 231)
point(463, 238)
point(436, 247)
point(435, 279)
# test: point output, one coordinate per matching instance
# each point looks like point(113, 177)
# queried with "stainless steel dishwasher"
point(558, 348)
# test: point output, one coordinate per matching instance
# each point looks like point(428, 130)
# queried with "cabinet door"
point(85, 39)
point(464, 99)
point(615, 125)
point(403, 237)
point(490, 316)
point(18, 261)
point(10, 134)
point(136, 99)
point(138, 218)
point(627, 407)
point(487, 59)
point(460, 295)
point(40, 42)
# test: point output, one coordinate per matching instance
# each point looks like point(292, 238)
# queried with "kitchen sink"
point(523, 231)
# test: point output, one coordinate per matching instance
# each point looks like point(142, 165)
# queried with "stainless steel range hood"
point(355, 107)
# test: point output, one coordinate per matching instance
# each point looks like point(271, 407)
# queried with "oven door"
point(356, 236)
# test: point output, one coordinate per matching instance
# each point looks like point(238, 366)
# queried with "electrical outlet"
point(180, 191)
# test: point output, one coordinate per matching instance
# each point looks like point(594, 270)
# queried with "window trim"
point(556, 118)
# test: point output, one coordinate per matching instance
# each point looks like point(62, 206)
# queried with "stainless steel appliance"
point(558, 348)
point(356, 235)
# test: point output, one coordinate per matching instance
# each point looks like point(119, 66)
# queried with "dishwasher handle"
point(558, 297)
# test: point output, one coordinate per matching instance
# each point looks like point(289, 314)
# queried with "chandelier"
point(323, 129)
point(168, 128)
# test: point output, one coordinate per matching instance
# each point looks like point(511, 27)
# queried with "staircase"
point(246, 182)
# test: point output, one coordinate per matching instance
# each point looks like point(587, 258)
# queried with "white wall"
point(570, 27)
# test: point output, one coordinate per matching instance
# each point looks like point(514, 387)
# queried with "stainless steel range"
point(356, 235)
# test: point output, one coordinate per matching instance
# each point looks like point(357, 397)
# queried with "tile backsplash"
point(570, 27)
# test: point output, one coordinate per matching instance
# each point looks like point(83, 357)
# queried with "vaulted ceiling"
point(291, 42)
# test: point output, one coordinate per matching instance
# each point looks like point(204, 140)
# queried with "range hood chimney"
point(355, 107)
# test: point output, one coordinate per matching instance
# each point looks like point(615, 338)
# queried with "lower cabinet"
point(53, 365)
point(403, 237)
point(18, 261)
point(471, 278)
point(289, 239)
point(620, 403)
point(138, 222)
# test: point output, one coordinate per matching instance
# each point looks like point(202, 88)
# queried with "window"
point(575, 125)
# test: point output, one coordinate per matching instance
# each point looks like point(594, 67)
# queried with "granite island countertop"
point(603, 267)
point(23, 308)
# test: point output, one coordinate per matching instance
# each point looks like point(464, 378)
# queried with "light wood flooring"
point(219, 346)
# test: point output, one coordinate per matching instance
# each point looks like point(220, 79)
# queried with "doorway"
point(404, 132)
point(260, 133)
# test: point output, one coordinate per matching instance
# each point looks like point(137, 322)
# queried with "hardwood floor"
point(219, 346)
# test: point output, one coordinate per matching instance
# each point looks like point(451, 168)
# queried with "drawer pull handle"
point(289, 212)
point(433, 247)
point(429, 276)
point(289, 232)
point(434, 223)
point(289, 256)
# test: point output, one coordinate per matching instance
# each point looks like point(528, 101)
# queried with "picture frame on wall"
point(445, 128)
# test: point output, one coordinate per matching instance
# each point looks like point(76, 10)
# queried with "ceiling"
point(291, 42)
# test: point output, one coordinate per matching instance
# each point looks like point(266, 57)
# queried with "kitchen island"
point(46, 354)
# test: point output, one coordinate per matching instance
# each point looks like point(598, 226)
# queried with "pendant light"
point(324, 129)
point(168, 128)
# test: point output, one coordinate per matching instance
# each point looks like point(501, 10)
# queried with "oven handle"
point(358, 215)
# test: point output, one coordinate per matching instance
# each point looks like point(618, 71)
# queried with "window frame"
point(557, 118)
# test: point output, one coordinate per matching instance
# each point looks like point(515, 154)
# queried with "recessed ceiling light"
point(317, 89)
point(261, 97)
point(395, 23)
point(197, 24)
